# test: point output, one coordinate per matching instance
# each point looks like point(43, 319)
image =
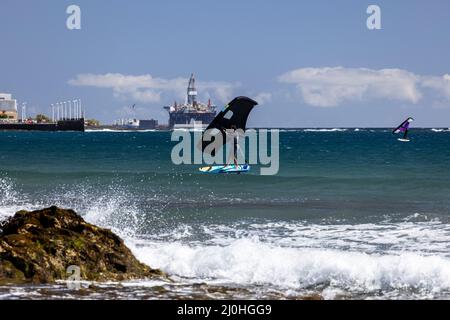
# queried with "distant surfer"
point(403, 127)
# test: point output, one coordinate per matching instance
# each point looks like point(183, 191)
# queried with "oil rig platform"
point(191, 112)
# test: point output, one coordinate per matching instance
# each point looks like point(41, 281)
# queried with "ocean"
point(352, 214)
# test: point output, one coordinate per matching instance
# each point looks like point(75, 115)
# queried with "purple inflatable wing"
point(403, 127)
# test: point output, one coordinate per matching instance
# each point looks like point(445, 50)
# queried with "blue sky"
point(310, 63)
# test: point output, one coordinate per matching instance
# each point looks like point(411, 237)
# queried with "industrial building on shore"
point(69, 116)
point(9, 120)
point(8, 108)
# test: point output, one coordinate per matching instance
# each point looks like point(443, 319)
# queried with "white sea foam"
point(400, 259)
point(325, 130)
point(290, 130)
point(10, 200)
point(440, 130)
point(252, 262)
point(118, 130)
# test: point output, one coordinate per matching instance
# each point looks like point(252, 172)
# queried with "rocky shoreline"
point(44, 246)
point(38, 249)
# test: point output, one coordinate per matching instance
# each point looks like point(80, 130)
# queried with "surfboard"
point(226, 169)
point(403, 140)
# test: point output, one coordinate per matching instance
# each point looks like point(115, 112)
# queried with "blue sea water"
point(351, 213)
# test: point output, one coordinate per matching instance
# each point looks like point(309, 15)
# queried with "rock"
point(39, 246)
point(312, 297)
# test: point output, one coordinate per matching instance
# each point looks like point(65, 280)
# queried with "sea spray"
point(250, 262)
point(11, 199)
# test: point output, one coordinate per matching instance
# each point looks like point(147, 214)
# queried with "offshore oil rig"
point(191, 112)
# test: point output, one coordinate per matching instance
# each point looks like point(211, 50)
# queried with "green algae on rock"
point(39, 246)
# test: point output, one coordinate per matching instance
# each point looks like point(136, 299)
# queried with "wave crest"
point(252, 262)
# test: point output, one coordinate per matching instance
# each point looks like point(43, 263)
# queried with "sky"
point(307, 63)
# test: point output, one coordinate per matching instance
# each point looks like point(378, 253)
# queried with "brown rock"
point(39, 246)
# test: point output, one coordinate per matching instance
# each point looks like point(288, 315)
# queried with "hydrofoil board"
point(226, 169)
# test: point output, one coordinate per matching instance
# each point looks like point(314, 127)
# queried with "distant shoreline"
point(259, 128)
point(314, 129)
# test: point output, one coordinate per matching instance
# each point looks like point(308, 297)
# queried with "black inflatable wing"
point(233, 116)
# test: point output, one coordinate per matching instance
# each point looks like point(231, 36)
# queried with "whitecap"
point(325, 130)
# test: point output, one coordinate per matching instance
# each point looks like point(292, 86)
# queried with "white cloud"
point(439, 84)
point(221, 91)
point(329, 87)
point(147, 89)
point(321, 87)
point(263, 97)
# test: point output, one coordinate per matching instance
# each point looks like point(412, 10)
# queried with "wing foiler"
point(233, 117)
point(404, 127)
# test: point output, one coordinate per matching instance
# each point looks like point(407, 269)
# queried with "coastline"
point(23, 235)
point(344, 218)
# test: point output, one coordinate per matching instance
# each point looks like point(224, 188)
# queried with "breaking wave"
point(119, 130)
point(440, 130)
point(396, 259)
point(252, 262)
point(325, 130)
